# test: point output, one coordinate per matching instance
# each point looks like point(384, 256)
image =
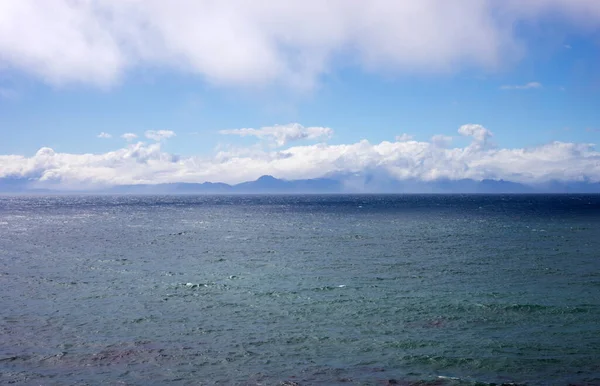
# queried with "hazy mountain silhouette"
point(270, 184)
point(342, 183)
point(174, 188)
point(19, 185)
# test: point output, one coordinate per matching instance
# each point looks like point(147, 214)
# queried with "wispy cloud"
point(159, 135)
point(283, 134)
point(526, 86)
point(129, 136)
point(104, 135)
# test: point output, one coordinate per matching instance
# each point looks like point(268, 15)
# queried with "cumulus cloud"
point(525, 86)
point(129, 136)
point(159, 135)
point(104, 135)
point(401, 160)
point(281, 135)
point(441, 140)
point(258, 42)
point(480, 135)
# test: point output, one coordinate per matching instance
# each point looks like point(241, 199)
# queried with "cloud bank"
point(404, 159)
point(241, 42)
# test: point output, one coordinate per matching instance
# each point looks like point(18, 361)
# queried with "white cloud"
point(159, 135)
point(258, 42)
point(525, 86)
point(129, 136)
point(104, 135)
point(441, 140)
point(404, 137)
point(283, 134)
point(402, 160)
point(480, 135)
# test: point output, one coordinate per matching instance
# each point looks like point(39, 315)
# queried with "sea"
point(300, 290)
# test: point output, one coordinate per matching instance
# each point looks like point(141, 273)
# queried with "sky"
point(100, 93)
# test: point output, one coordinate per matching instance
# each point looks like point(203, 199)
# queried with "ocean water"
point(300, 290)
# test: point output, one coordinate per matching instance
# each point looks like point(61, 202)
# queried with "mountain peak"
point(267, 178)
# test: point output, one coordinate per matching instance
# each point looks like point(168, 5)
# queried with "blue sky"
point(528, 72)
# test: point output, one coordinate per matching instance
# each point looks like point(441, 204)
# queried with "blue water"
point(307, 290)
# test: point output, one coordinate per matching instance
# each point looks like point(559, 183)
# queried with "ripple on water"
point(418, 290)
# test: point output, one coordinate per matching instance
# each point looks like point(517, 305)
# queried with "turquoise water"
point(316, 290)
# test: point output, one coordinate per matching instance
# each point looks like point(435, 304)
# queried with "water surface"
point(317, 290)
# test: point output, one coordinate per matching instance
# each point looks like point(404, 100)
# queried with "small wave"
point(523, 307)
point(519, 308)
point(329, 288)
point(537, 308)
point(194, 285)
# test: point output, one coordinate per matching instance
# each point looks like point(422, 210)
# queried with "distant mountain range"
point(335, 184)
